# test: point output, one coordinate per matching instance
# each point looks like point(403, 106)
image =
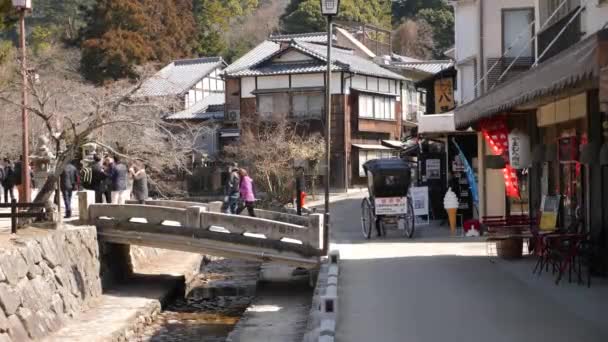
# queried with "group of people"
point(110, 179)
point(240, 192)
point(10, 177)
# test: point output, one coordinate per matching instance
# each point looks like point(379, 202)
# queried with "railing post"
point(215, 207)
point(193, 216)
point(315, 227)
point(85, 198)
point(13, 216)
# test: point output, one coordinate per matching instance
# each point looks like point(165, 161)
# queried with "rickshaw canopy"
point(387, 177)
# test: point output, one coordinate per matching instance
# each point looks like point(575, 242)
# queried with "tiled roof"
point(255, 63)
point(179, 76)
point(263, 50)
point(353, 63)
point(429, 67)
point(405, 59)
point(284, 69)
point(211, 107)
point(316, 37)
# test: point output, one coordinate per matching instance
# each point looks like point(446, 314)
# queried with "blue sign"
point(470, 175)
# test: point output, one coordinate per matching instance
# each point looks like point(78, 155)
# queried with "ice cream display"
point(450, 203)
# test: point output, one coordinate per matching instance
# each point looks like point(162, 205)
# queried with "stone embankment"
point(45, 280)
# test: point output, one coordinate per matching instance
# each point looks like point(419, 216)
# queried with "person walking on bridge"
point(247, 193)
point(8, 180)
point(69, 183)
point(233, 190)
point(119, 175)
point(140, 182)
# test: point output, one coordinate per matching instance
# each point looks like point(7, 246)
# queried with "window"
point(376, 107)
point(308, 105)
point(273, 104)
point(517, 32)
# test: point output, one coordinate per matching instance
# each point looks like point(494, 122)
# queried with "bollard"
point(13, 216)
point(334, 257)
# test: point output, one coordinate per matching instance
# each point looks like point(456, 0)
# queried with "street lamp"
point(329, 8)
point(23, 6)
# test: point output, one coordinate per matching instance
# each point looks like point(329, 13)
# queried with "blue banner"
point(470, 175)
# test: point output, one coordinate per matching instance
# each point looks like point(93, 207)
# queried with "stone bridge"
point(202, 228)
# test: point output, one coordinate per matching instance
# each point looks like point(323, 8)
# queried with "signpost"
point(420, 197)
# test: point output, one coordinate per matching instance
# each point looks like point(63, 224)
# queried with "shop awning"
point(571, 68)
point(371, 147)
point(392, 143)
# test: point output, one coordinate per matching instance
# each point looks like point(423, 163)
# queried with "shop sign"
point(433, 169)
point(420, 198)
point(391, 205)
point(444, 95)
point(519, 149)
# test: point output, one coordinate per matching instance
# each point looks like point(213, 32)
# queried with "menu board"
point(549, 211)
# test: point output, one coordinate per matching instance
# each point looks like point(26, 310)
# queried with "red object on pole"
point(25, 162)
point(302, 198)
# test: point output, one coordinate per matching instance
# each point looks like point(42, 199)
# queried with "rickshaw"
point(389, 204)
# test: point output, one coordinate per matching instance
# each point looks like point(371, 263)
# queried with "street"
point(437, 288)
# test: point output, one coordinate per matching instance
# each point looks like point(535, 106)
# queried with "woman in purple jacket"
point(247, 193)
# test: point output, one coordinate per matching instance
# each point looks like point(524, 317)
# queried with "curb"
point(324, 311)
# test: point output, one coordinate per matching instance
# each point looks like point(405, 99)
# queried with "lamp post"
point(329, 8)
point(23, 6)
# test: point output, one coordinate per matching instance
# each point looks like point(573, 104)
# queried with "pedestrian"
point(68, 183)
point(98, 178)
point(119, 175)
point(8, 182)
point(247, 193)
point(106, 184)
point(140, 182)
point(232, 190)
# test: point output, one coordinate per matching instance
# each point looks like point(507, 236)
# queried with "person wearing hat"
point(232, 190)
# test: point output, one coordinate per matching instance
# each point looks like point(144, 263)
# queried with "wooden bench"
point(508, 233)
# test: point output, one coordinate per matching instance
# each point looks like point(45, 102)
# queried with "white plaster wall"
point(372, 83)
point(247, 87)
point(273, 82)
point(336, 83)
point(292, 56)
point(384, 86)
point(466, 73)
point(358, 81)
point(466, 30)
point(307, 80)
point(595, 17)
point(492, 21)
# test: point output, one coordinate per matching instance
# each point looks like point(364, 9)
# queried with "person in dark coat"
point(69, 183)
point(8, 181)
point(120, 179)
point(232, 190)
point(98, 178)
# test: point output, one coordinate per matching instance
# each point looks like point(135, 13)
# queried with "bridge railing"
point(274, 231)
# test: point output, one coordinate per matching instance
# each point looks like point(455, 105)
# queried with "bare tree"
point(72, 112)
point(414, 38)
point(271, 149)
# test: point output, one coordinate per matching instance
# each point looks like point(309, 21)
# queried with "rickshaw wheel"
point(367, 218)
point(409, 220)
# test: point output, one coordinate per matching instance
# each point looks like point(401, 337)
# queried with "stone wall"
point(45, 279)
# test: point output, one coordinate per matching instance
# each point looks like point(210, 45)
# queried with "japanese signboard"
point(519, 149)
point(433, 168)
point(420, 198)
point(391, 205)
point(444, 95)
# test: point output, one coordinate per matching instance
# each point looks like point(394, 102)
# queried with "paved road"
point(446, 289)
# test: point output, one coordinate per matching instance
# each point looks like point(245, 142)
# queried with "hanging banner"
point(470, 174)
point(519, 149)
point(496, 133)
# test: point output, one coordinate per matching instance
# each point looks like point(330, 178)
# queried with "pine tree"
point(121, 34)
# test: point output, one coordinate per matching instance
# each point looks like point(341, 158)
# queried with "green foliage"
point(214, 19)
point(67, 16)
point(41, 38)
point(305, 15)
point(122, 34)
point(6, 51)
point(437, 13)
point(7, 15)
